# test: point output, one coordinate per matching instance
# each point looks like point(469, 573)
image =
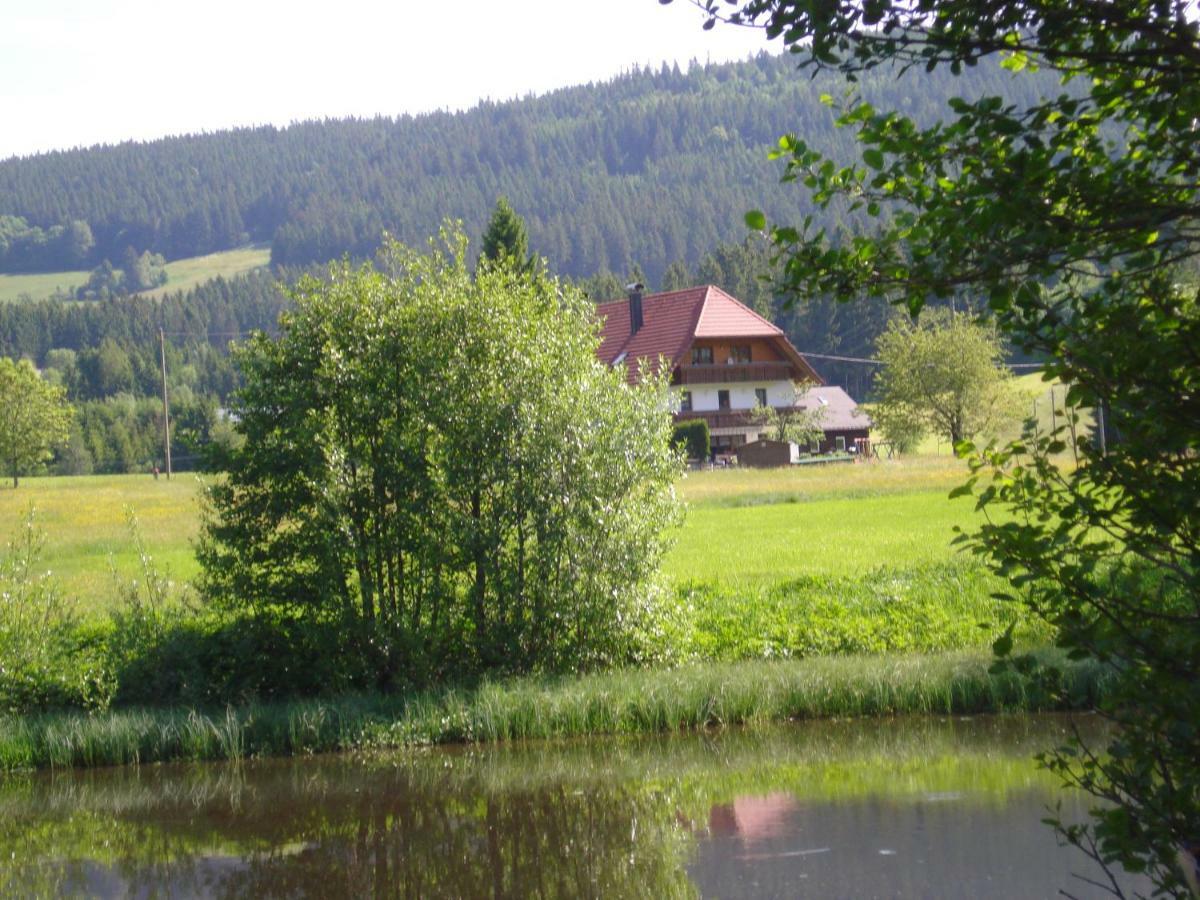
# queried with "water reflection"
point(901, 808)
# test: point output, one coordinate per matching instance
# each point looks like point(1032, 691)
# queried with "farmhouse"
point(724, 360)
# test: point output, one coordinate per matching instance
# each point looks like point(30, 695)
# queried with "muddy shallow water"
point(914, 807)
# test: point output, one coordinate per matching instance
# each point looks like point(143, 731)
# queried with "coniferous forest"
point(653, 167)
point(645, 176)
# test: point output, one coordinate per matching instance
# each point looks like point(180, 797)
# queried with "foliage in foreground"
point(1075, 217)
point(436, 465)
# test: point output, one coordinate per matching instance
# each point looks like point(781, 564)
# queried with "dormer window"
point(702, 356)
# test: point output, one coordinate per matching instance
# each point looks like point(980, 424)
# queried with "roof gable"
point(673, 320)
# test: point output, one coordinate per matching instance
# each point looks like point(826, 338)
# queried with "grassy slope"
point(1039, 394)
point(182, 274)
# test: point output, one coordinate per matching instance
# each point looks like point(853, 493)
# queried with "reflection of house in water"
point(753, 818)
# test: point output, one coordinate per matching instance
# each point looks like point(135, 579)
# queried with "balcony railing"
point(717, 418)
point(722, 374)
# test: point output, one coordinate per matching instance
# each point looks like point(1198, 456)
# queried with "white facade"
point(742, 396)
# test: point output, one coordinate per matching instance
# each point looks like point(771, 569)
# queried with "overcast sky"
point(81, 72)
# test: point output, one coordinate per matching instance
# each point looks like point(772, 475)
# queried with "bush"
point(43, 664)
point(692, 437)
point(437, 463)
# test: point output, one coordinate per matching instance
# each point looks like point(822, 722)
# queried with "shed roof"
point(841, 412)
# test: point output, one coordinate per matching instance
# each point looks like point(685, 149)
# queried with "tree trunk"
point(480, 566)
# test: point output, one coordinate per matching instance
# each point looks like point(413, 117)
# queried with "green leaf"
point(756, 220)
point(873, 158)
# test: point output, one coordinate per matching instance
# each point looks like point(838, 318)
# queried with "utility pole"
point(162, 352)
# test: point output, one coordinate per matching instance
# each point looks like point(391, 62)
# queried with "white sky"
point(81, 72)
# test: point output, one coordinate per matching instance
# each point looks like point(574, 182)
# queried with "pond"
point(910, 807)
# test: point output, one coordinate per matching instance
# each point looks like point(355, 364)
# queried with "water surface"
point(910, 807)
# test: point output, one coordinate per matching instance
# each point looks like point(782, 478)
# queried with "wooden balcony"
point(730, 418)
point(723, 374)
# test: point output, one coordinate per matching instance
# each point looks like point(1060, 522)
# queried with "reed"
point(701, 696)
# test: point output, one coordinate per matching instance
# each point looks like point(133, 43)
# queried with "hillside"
point(650, 168)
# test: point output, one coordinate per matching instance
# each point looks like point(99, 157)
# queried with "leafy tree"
point(438, 462)
point(799, 426)
point(1069, 214)
point(142, 271)
point(505, 237)
point(943, 373)
point(36, 417)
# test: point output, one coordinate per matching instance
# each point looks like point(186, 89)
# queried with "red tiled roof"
point(674, 319)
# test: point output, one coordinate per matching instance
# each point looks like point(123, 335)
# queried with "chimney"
point(635, 306)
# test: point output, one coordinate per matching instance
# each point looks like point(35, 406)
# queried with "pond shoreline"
point(692, 697)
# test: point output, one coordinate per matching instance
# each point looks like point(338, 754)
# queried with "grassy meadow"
point(38, 285)
point(767, 563)
point(743, 529)
point(84, 522)
point(182, 275)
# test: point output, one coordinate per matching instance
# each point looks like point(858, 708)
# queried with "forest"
point(654, 167)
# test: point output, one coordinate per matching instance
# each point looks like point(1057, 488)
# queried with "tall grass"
point(625, 702)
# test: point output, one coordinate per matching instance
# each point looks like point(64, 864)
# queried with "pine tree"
point(505, 237)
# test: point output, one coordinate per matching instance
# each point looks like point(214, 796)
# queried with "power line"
point(880, 362)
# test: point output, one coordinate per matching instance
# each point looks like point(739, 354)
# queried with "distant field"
point(833, 535)
point(1040, 394)
point(15, 287)
point(182, 274)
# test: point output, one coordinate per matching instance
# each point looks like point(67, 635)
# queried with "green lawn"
point(182, 274)
point(824, 536)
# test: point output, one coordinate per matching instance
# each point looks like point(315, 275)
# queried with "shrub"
point(692, 437)
point(436, 462)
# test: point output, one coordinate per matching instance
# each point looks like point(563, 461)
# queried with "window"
point(723, 399)
point(702, 356)
point(841, 443)
point(685, 401)
point(760, 396)
point(739, 353)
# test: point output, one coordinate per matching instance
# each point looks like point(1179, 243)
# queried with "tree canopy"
point(1075, 217)
point(438, 460)
point(943, 373)
point(36, 418)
